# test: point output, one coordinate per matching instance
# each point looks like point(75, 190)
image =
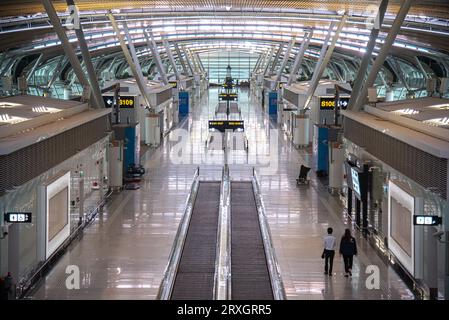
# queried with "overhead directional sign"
point(174, 84)
point(228, 96)
point(223, 125)
point(125, 102)
point(329, 103)
point(18, 217)
point(425, 220)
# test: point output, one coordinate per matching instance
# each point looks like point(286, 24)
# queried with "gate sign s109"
point(125, 102)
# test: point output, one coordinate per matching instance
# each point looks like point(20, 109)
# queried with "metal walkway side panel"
point(195, 275)
point(249, 269)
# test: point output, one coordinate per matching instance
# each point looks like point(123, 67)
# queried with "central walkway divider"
point(223, 248)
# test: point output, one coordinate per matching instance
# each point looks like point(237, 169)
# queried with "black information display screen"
point(329, 103)
point(357, 180)
point(425, 220)
point(174, 84)
point(125, 102)
point(228, 96)
point(223, 125)
point(18, 217)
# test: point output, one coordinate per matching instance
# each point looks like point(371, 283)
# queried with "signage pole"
point(357, 212)
point(349, 202)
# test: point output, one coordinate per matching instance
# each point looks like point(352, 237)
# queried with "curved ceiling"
point(249, 25)
point(431, 8)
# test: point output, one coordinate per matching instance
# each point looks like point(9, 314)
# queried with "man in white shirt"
point(329, 251)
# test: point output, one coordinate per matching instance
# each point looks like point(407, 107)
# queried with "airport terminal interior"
point(224, 150)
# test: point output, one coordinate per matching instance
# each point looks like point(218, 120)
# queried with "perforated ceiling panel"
point(25, 164)
point(425, 169)
point(436, 8)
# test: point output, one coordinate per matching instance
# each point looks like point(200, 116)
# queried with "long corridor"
point(124, 253)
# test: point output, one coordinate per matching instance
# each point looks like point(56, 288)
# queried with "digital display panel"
point(355, 181)
point(125, 102)
point(223, 125)
point(57, 213)
point(174, 84)
point(18, 217)
point(400, 226)
point(228, 96)
point(329, 103)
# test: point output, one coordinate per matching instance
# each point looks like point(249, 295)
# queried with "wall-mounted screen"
point(403, 241)
point(400, 222)
point(54, 214)
point(57, 213)
point(355, 181)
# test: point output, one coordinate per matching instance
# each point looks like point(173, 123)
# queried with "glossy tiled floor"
point(123, 254)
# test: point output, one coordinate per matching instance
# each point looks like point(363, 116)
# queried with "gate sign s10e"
point(329, 103)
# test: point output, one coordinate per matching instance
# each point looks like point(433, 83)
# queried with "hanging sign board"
point(329, 103)
point(425, 220)
point(125, 102)
point(17, 217)
point(228, 96)
point(223, 125)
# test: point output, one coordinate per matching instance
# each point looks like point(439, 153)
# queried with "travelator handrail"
point(273, 266)
point(166, 288)
point(222, 277)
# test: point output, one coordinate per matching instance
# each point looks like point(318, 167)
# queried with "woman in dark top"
point(348, 248)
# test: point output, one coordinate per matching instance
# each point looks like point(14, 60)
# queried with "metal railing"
point(166, 288)
point(273, 267)
point(222, 278)
point(26, 285)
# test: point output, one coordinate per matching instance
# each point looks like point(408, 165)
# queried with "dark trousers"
point(348, 262)
point(328, 260)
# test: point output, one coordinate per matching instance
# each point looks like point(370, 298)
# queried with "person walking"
point(348, 248)
point(329, 251)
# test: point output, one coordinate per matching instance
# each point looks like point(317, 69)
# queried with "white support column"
point(181, 59)
point(151, 44)
point(36, 64)
point(284, 63)
point(91, 73)
point(325, 57)
point(421, 68)
point(267, 65)
point(276, 58)
point(300, 56)
point(360, 78)
point(189, 62)
point(384, 51)
point(200, 63)
point(132, 64)
point(172, 61)
point(66, 45)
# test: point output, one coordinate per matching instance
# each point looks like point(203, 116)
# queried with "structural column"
point(325, 56)
point(66, 45)
point(284, 62)
point(153, 48)
point(380, 59)
point(300, 56)
point(93, 80)
point(180, 58)
point(172, 61)
point(358, 83)
point(132, 64)
point(276, 58)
